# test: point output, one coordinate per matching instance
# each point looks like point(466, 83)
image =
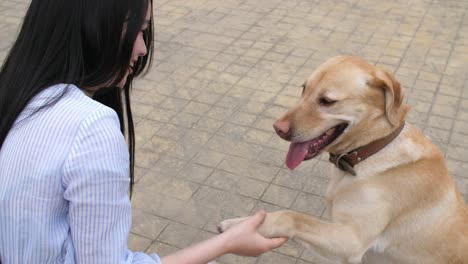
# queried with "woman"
point(64, 162)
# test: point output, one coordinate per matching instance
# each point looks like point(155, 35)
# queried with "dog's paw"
point(226, 224)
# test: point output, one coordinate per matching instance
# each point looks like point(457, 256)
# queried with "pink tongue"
point(296, 154)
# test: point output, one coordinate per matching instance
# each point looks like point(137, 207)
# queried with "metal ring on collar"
point(337, 161)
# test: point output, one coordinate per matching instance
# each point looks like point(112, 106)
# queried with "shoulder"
point(91, 118)
point(81, 105)
point(62, 113)
point(73, 108)
point(98, 146)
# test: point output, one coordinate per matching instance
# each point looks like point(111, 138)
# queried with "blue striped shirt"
point(63, 185)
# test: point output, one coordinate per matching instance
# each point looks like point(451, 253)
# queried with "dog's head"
point(345, 103)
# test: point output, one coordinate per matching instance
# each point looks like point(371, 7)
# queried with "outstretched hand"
point(240, 239)
point(243, 238)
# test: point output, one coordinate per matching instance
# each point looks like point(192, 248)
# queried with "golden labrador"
point(390, 198)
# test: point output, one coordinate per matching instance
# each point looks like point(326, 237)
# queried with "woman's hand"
point(243, 238)
point(240, 239)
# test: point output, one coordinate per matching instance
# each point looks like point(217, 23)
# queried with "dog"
point(390, 197)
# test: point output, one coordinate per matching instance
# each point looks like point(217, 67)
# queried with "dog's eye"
point(326, 101)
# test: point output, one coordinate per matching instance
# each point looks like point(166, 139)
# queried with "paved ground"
point(225, 70)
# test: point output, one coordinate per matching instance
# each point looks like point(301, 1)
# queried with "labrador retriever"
point(390, 196)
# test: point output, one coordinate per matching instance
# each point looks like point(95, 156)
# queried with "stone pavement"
point(225, 70)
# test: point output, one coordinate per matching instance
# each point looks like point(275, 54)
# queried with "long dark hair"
point(77, 42)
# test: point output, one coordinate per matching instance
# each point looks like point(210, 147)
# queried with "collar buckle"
point(342, 164)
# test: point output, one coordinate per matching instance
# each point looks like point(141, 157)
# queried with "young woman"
point(64, 161)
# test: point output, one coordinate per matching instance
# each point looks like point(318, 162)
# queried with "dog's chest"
point(367, 169)
point(338, 181)
point(380, 244)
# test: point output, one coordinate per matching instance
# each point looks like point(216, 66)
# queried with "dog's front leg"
point(336, 239)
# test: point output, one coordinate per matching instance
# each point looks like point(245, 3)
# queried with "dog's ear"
point(395, 109)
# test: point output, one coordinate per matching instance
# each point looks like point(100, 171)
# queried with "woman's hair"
point(79, 42)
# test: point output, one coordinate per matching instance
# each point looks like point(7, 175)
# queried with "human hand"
point(243, 238)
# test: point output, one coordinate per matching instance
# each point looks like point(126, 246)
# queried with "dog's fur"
point(402, 207)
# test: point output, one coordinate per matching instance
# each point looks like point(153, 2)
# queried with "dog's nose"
point(283, 129)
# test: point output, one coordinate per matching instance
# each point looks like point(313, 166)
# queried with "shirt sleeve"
point(96, 181)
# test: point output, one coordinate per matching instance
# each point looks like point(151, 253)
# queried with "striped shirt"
point(63, 184)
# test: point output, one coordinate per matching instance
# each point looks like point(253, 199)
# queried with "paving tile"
point(195, 172)
point(162, 249)
point(311, 256)
point(208, 124)
point(207, 97)
point(145, 130)
point(315, 184)
point(281, 196)
point(272, 156)
point(145, 158)
point(139, 173)
point(309, 204)
point(147, 225)
point(185, 120)
point(265, 123)
point(171, 132)
point(288, 178)
point(275, 258)
point(178, 235)
point(220, 113)
point(162, 115)
point(248, 168)
point(237, 184)
point(197, 108)
point(233, 259)
point(138, 243)
point(437, 135)
point(209, 158)
point(194, 214)
point(440, 122)
point(167, 166)
point(169, 186)
point(230, 205)
point(156, 204)
point(258, 136)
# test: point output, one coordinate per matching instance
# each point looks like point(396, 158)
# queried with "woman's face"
point(139, 48)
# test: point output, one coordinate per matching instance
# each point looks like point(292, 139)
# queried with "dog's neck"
point(346, 161)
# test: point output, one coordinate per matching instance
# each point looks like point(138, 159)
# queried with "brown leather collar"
point(346, 161)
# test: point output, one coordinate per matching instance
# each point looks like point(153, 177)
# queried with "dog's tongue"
point(296, 154)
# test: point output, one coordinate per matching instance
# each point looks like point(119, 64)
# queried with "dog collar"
point(347, 161)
